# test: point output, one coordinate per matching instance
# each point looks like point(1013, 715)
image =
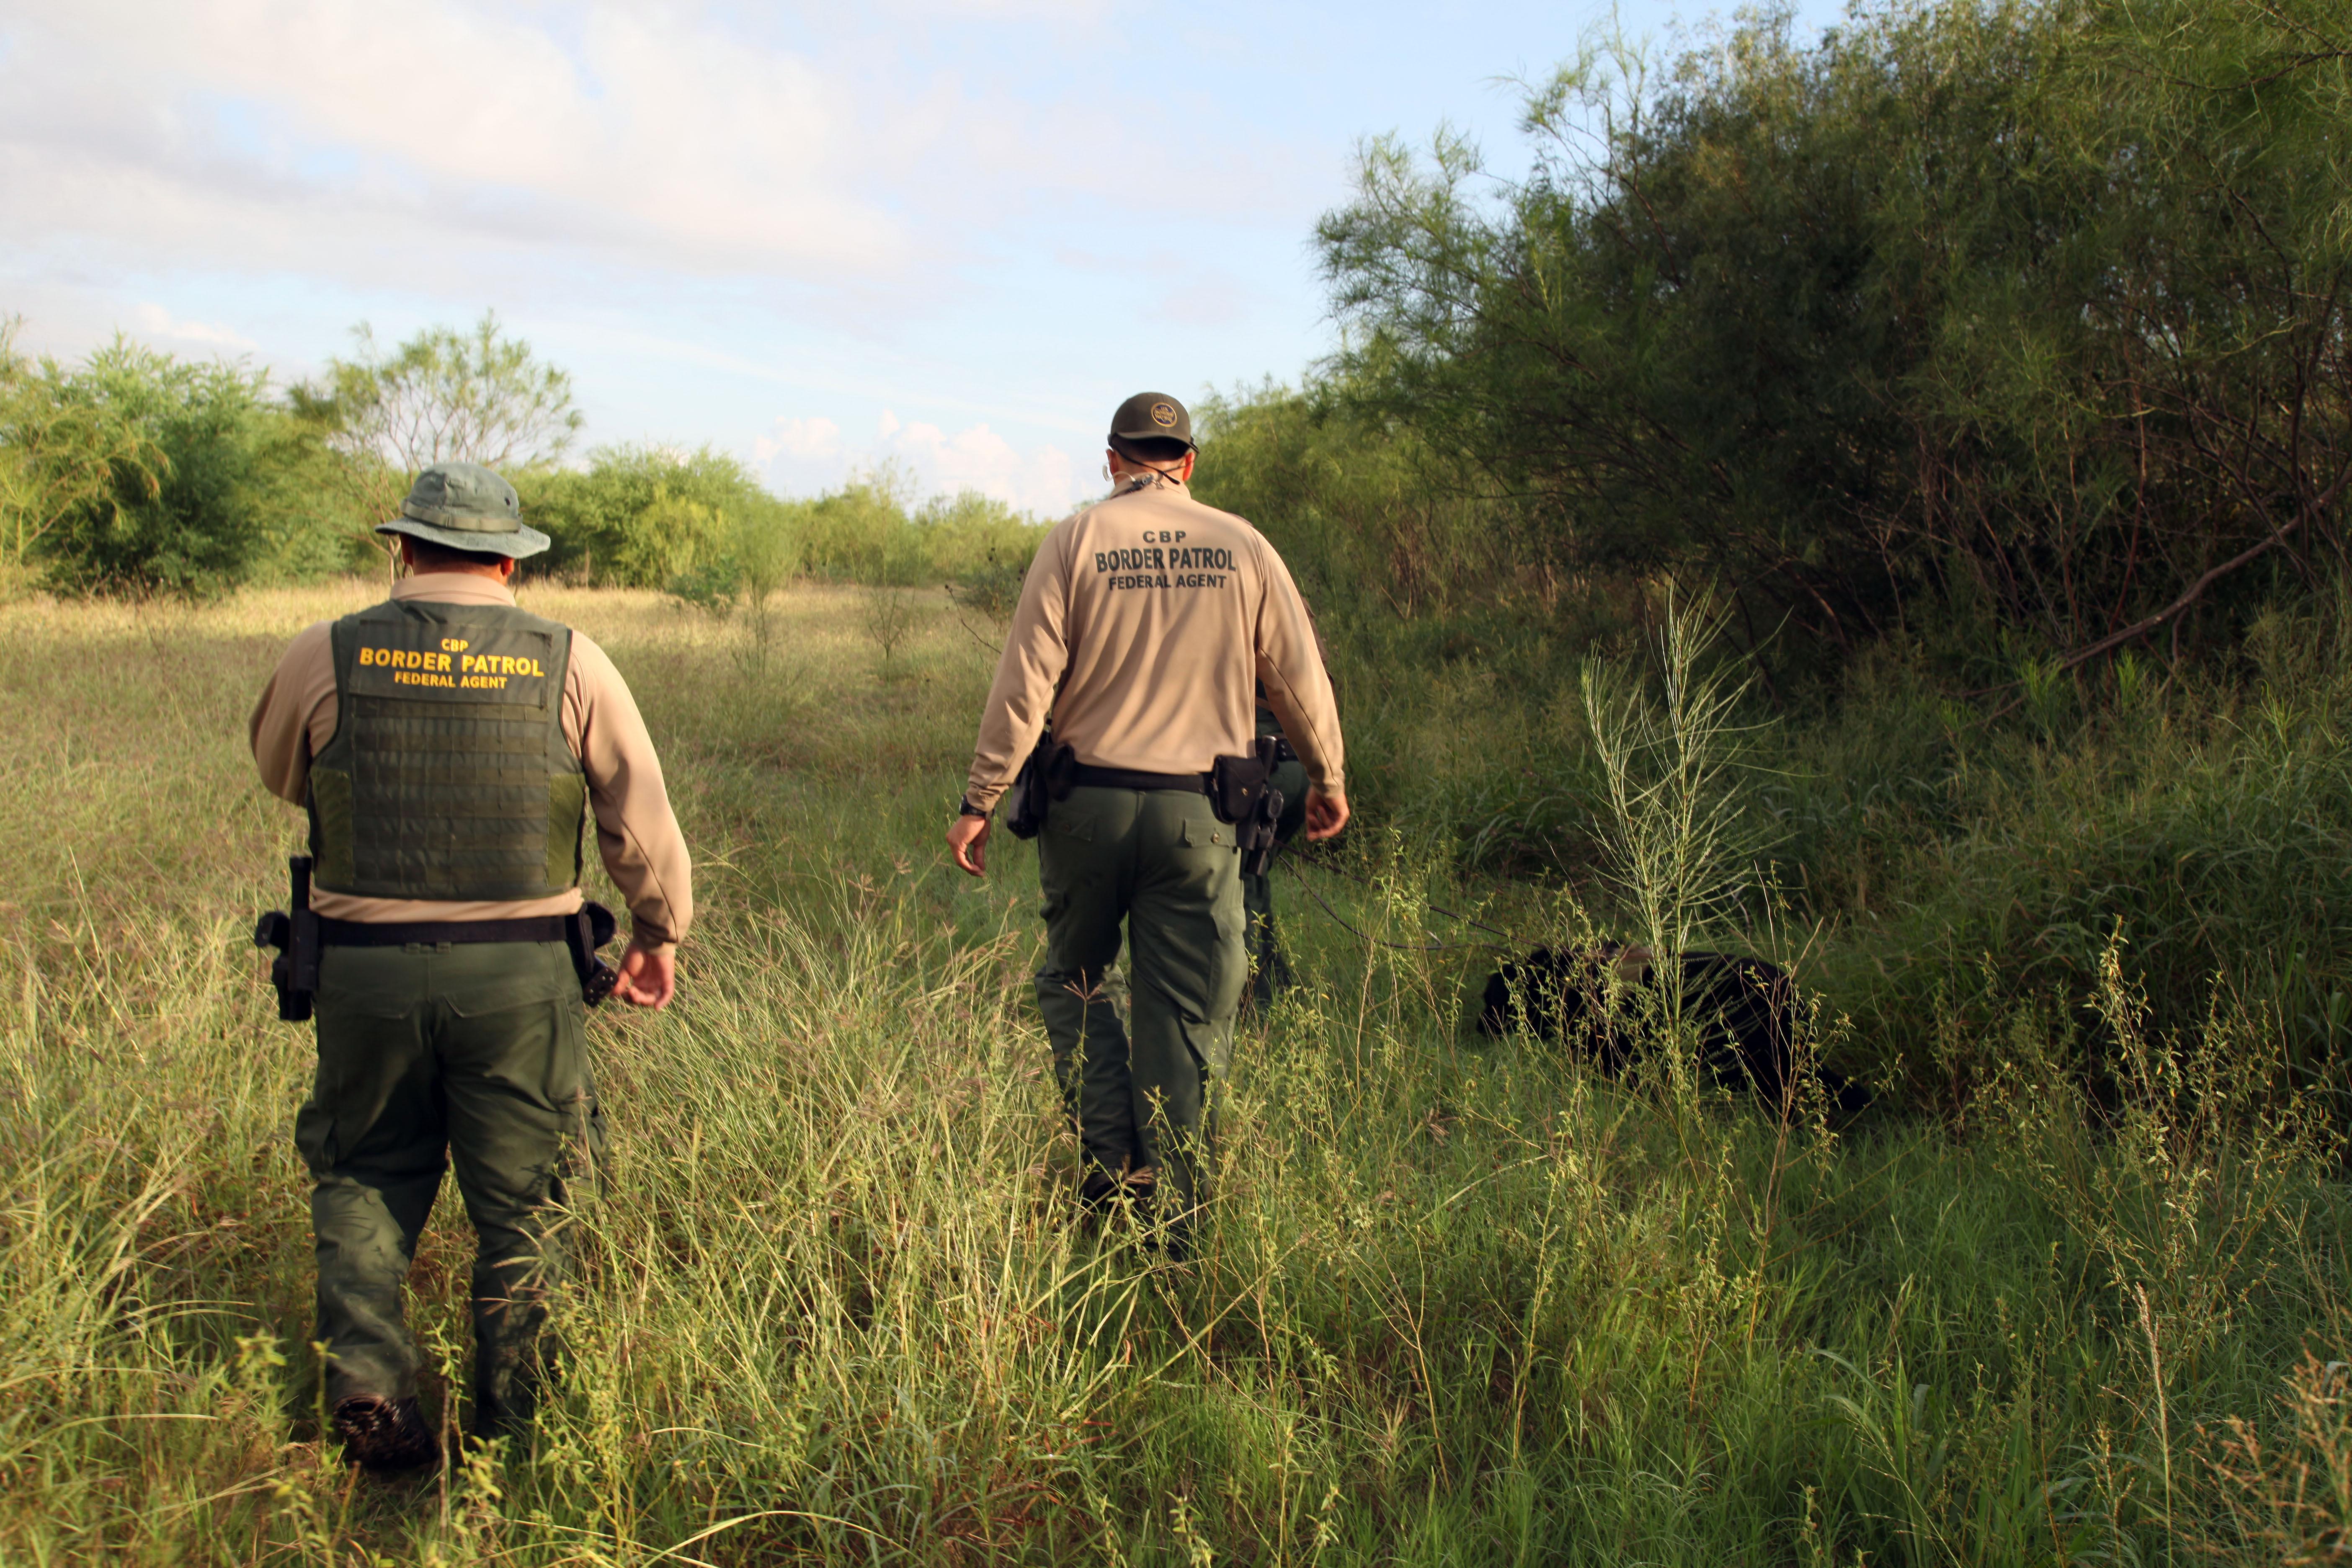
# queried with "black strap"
point(1124, 778)
point(400, 934)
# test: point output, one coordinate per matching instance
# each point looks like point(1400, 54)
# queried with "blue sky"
point(954, 235)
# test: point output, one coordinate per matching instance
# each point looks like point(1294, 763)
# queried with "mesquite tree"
point(2041, 305)
point(442, 395)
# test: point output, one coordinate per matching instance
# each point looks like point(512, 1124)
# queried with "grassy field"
point(1461, 1303)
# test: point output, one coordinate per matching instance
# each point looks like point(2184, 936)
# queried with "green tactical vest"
point(447, 777)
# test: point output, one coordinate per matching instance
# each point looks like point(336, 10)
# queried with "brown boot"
point(383, 1436)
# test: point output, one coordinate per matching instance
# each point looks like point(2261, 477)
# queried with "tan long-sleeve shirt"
point(1144, 623)
point(637, 833)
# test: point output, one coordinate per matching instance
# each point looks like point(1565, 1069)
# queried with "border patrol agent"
point(1143, 623)
point(448, 747)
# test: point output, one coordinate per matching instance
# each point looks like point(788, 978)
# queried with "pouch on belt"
point(1044, 779)
point(1242, 792)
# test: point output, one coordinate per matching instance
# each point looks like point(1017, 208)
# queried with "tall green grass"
point(1930, 862)
point(1461, 1301)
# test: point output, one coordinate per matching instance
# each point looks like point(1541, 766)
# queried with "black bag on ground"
point(1745, 1014)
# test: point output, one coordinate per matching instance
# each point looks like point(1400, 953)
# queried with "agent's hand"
point(968, 840)
point(648, 978)
point(1326, 813)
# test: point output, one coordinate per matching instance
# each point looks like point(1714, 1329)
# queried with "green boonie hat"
point(464, 506)
point(1152, 416)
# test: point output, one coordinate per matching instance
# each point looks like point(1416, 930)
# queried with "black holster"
point(583, 933)
point(1242, 792)
point(294, 932)
point(1045, 778)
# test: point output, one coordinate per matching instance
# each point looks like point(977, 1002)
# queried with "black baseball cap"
point(1152, 416)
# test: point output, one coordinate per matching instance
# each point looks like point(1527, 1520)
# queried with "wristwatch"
point(965, 808)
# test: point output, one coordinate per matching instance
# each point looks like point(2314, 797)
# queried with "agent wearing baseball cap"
point(450, 749)
point(1146, 626)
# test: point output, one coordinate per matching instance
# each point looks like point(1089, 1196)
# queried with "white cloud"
point(426, 143)
point(807, 455)
point(1042, 479)
point(689, 202)
point(658, 137)
point(799, 438)
point(151, 321)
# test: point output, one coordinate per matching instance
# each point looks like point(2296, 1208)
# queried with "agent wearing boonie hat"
point(448, 748)
point(466, 507)
point(1145, 627)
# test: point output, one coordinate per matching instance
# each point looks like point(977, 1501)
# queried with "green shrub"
point(138, 472)
point(861, 533)
point(869, 530)
point(980, 548)
point(1364, 512)
point(1937, 860)
point(2047, 298)
point(639, 517)
point(62, 454)
point(181, 507)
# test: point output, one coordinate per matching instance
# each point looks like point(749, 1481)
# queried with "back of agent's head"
point(427, 556)
point(1155, 453)
point(1152, 427)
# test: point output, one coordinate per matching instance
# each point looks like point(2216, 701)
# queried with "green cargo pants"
point(471, 1055)
point(1269, 971)
point(1160, 862)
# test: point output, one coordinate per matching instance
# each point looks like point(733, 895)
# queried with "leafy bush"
point(861, 531)
point(61, 455)
point(442, 395)
point(139, 472)
point(870, 531)
point(980, 548)
point(639, 517)
point(1937, 862)
point(2046, 301)
point(1912, 347)
point(1365, 509)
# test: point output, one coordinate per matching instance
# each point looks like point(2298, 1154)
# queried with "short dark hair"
point(1150, 448)
point(429, 556)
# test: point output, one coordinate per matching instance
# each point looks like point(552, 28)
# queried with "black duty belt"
point(1127, 778)
point(298, 933)
point(400, 934)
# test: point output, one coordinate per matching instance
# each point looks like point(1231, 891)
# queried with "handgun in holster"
point(1047, 776)
point(583, 933)
point(294, 932)
point(1242, 792)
